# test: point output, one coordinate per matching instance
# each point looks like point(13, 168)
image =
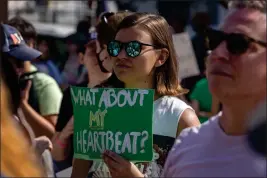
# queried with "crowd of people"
point(202, 135)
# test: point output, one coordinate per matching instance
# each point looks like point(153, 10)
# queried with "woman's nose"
point(122, 54)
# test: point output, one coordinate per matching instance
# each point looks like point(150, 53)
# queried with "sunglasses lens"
point(215, 39)
point(114, 48)
point(237, 44)
point(133, 49)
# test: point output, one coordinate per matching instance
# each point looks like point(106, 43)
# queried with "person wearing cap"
point(10, 74)
point(41, 96)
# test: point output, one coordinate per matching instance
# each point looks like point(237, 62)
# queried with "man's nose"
point(220, 53)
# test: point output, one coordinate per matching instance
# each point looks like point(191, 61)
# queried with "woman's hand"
point(42, 143)
point(119, 167)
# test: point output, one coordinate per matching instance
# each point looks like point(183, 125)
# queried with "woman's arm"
point(61, 142)
point(64, 129)
point(61, 148)
point(80, 168)
point(187, 119)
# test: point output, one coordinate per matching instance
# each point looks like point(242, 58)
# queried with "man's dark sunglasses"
point(132, 48)
point(236, 43)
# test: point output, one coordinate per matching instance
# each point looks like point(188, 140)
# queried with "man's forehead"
point(251, 21)
point(248, 16)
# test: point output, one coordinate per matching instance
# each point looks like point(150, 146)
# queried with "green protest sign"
point(119, 120)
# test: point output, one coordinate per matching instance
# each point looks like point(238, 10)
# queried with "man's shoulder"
point(198, 134)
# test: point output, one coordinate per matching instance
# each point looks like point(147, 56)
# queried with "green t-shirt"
point(48, 93)
point(202, 94)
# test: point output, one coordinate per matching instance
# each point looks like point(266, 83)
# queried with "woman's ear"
point(81, 59)
point(163, 56)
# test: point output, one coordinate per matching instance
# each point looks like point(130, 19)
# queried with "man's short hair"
point(254, 4)
point(25, 28)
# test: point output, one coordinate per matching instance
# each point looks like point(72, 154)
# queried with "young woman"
point(99, 66)
point(18, 159)
point(143, 56)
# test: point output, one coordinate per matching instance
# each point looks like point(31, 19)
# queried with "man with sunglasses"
point(236, 73)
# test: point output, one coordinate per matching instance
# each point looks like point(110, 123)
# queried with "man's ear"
point(163, 56)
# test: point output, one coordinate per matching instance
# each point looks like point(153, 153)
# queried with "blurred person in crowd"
point(99, 67)
point(41, 103)
point(45, 63)
point(202, 101)
point(26, 163)
point(200, 23)
point(70, 74)
point(81, 55)
point(41, 144)
point(176, 13)
point(143, 56)
point(83, 26)
point(236, 73)
point(223, 3)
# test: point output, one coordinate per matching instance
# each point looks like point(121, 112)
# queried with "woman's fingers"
point(112, 164)
point(114, 156)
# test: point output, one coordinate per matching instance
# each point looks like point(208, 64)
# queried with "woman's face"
point(131, 70)
point(104, 56)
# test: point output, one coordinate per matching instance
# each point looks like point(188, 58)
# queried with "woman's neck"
point(97, 78)
point(144, 84)
point(140, 84)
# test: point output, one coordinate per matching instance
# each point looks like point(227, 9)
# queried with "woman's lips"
point(121, 65)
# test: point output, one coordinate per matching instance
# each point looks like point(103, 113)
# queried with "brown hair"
point(106, 31)
point(166, 76)
point(17, 159)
